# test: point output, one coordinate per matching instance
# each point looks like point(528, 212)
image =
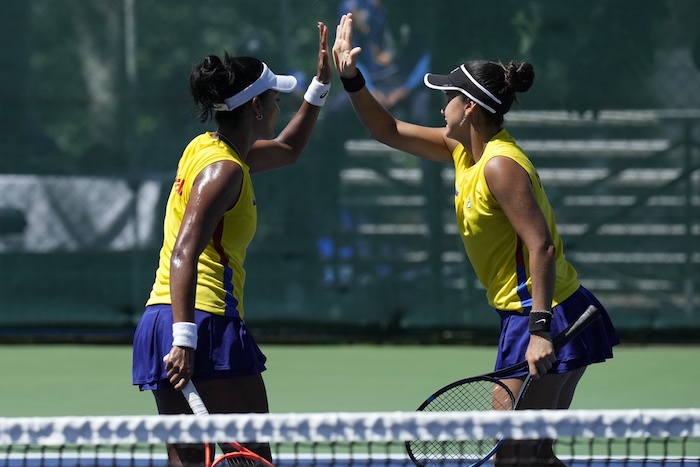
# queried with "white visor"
point(267, 80)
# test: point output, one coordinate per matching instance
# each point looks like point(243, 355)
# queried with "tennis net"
point(580, 438)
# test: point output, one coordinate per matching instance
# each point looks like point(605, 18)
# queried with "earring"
point(259, 117)
point(464, 119)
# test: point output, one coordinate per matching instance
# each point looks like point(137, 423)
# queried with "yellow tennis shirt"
point(498, 256)
point(220, 273)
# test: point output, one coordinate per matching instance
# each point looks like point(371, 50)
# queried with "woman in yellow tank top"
point(505, 220)
point(194, 314)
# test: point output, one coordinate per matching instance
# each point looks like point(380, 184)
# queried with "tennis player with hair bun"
point(505, 220)
point(195, 311)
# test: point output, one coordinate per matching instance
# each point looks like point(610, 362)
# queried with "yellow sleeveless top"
point(220, 273)
point(498, 256)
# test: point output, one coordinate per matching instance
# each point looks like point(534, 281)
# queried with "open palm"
point(344, 54)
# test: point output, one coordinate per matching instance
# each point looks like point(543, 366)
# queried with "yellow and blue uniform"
point(499, 257)
point(220, 272)
point(225, 347)
point(501, 262)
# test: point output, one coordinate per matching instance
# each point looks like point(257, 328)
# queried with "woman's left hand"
point(325, 70)
point(540, 354)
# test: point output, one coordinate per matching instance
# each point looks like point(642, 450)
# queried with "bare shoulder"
point(506, 178)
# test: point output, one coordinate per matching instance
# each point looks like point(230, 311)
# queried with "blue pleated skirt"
point(225, 348)
point(595, 344)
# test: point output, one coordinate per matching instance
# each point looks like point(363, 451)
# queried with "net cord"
point(326, 427)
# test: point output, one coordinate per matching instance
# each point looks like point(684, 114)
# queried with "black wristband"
point(540, 321)
point(355, 83)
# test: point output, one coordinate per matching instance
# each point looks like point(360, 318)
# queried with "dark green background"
point(98, 89)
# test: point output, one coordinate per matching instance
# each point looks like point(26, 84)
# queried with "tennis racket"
point(234, 453)
point(481, 393)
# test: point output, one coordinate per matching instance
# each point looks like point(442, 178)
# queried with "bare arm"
point(215, 190)
point(511, 186)
point(428, 143)
point(288, 146)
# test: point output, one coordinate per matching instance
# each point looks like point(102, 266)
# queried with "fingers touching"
point(344, 54)
point(325, 71)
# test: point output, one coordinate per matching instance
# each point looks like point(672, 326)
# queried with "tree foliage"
point(87, 115)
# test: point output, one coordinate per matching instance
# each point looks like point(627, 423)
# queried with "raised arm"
point(287, 147)
point(425, 142)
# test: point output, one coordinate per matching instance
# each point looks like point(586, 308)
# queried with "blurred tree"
point(82, 99)
point(88, 116)
point(596, 54)
point(13, 82)
point(77, 84)
point(588, 54)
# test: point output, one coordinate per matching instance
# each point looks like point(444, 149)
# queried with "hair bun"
point(519, 76)
point(210, 64)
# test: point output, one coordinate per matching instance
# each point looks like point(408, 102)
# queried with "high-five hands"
point(344, 54)
point(324, 71)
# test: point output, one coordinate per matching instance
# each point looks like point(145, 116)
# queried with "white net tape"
point(374, 427)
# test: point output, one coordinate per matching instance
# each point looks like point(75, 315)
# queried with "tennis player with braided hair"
point(195, 311)
point(505, 220)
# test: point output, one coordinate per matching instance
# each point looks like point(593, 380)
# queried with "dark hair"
point(213, 80)
point(503, 81)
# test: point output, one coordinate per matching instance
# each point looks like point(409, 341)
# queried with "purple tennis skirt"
point(593, 345)
point(225, 348)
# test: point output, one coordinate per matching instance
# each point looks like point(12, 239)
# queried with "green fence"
point(357, 241)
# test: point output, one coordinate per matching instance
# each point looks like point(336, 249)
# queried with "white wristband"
point(185, 335)
point(317, 92)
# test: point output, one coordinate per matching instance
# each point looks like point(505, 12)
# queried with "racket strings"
point(233, 457)
point(479, 394)
point(476, 395)
point(238, 459)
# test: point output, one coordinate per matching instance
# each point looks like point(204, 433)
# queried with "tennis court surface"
point(580, 437)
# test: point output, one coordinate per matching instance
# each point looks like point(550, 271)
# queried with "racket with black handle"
point(480, 393)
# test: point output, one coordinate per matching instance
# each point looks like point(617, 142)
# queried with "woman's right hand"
point(179, 364)
point(344, 54)
point(540, 354)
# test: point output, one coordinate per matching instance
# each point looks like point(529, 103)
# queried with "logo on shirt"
point(469, 202)
point(178, 185)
